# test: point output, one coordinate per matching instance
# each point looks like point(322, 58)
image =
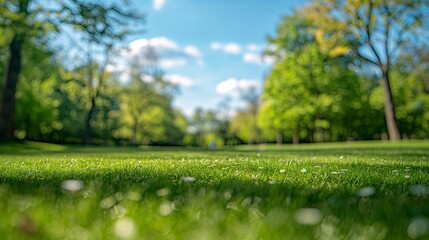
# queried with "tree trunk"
point(8, 101)
point(88, 122)
point(296, 137)
point(106, 125)
point(321, 134)
point(133, 139)
point(13, 69)
point(279, 137)
point(389, 108)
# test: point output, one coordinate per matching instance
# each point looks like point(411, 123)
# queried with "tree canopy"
point(343, 70)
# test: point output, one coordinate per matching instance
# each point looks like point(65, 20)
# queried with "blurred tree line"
point(347, 70)
point(50, 94)
point(344, 70)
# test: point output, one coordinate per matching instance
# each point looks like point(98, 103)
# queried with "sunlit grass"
point(330, 191)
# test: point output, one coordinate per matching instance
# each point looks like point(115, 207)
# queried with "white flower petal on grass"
point(108, 202)
point(227, 195)
point(304, 170)
point(366, 191)
point(419, 190)
point(418, 228)
point(72, 185)
point(166, 208)
point(282, 170)
point(163, 192)
point(125, 228)
point(308, 216)
point(188, 179)
point(134, 196)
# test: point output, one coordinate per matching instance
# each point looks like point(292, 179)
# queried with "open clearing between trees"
point(371, 190)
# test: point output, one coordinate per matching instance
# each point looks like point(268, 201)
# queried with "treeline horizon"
point(343, 71)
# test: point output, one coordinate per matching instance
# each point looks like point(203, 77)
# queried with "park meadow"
point(187, 119)
point(357, 190)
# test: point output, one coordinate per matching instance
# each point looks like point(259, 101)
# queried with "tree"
point(148, 117)
point(375, 30)
point(310, 93)
point(26, 19)
point(36, 104)
point(12, 70)
point(251, 97)
point(95, 84)
point(410, 85)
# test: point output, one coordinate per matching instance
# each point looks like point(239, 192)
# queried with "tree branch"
point(369, 34)
point(367, 59)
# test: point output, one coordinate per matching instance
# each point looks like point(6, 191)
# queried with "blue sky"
point(211, 48)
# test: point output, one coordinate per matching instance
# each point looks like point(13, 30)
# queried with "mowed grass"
point(364, 190)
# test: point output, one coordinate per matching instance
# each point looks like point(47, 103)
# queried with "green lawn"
point(364, 190)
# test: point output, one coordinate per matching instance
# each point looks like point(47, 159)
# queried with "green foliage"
point(374, 190)
point(319, 89)
point(242, 126)
point(37, 114)
point(410, 85)
point(207, 128)
point(310, 94)
point(374, 31)
point(147, 116)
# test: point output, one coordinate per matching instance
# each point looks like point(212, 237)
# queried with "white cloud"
point(124, 77)
point(180, 80)
point(234, 86)
point(188, 112)
point(170, 54)
point(251, 57)
point(193, 51)
point(159, 44)
point(252, 52)
point(231, 48)
point(272, 47)
point(256, 58)
point(147, 78)
point(163, 43)
point(171, 63)
point(269, 60)
point(120, 69)
point(158, 4)
point(216, 46)
point(113, 68)
point(134, 47)
point(253, 47)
